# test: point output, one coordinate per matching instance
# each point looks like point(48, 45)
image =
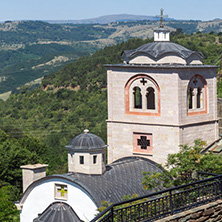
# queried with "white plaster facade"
point(43, 194)
point(174, 125)
point(162, 35)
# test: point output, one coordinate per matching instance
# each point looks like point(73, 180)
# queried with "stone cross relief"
point(143, 142)
point(143, 81)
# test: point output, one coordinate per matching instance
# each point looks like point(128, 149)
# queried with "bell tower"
point(162, 96)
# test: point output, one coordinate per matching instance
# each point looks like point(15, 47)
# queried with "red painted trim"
point(193, 113)
point(127, 86)
point(137, 149)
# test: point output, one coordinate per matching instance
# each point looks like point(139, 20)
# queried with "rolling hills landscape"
point(30, 50)
point(66, 93)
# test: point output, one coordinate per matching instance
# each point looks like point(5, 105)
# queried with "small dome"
point(158, 49)
point(86, 141)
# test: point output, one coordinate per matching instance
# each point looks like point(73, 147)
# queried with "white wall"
point(43, 195)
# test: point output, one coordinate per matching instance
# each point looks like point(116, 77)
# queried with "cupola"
point(161, 34)
point(87, 154)
point(162, 51)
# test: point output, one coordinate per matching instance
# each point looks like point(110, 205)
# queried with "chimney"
point(31, 173)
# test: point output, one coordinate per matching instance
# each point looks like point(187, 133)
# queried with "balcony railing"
point(166, 202)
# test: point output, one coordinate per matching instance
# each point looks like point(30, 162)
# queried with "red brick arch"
point(196, 111)
point(127, 99)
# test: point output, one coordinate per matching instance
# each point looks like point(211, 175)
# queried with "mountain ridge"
point(108, 19)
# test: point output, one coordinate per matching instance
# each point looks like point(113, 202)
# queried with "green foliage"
point(67, 102)
point(8, 211)
point(182, 164)
point(16, 151)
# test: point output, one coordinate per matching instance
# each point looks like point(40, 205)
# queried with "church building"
point(161, 96)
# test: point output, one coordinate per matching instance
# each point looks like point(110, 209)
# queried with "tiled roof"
point(86, 141)
point(215, 147)
point(57, 212)
point(158, 49)
point(122, 177)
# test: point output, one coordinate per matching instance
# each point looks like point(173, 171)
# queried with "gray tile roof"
point(57, 212)
point(123, 177)
point(160, 66)
point(158, 49)
point(215, 147)
point(86, 141)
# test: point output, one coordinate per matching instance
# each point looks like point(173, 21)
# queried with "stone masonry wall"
point(211, 212)
point(219, 114)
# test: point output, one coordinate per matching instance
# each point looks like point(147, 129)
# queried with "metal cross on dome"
point(161, 16)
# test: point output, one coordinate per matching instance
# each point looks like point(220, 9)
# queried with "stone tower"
point(160, 97)
point(87, 154)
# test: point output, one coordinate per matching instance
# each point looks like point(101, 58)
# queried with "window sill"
point(141, 153)
point(193, 112)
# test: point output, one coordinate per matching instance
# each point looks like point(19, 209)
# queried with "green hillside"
point(35, 125)
point(33, 49)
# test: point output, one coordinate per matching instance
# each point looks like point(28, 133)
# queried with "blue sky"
point(82, 9)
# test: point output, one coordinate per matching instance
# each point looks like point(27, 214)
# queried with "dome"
point(158, 49)
point(86, 141)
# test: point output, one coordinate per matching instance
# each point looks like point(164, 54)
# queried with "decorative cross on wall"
point(195, 81)
point(63, 190)
point(161, 16)
point(143, 142)
point(143, 81)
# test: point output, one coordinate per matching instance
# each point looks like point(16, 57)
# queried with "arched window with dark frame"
point(150, 98)
point(137, 97)
point(142, 96)
point(199, 91)
point(190, 98)
point(197, 95)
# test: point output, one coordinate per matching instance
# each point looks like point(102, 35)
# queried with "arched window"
point(190, 98)
point(197, 95)
point(199, 91)
point(150, 98)
point(137, 98)
point(142, 96)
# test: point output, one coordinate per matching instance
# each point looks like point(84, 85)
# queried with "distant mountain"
point(108, 19)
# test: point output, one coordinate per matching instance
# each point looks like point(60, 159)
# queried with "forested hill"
point(30, 50)
point(89, 73)
point(67, 102)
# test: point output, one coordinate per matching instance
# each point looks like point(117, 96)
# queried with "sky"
point(83, 9)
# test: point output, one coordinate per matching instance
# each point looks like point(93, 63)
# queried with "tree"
point(182, 165)
point(8, 211)
point(178, 31)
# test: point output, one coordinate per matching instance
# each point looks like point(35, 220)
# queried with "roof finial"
point(161, 16)
point(86, 131)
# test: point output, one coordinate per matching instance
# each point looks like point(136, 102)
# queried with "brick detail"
point(127, 100)
point(196, 112)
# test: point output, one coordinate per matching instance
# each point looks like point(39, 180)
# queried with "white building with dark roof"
point(79, 193)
